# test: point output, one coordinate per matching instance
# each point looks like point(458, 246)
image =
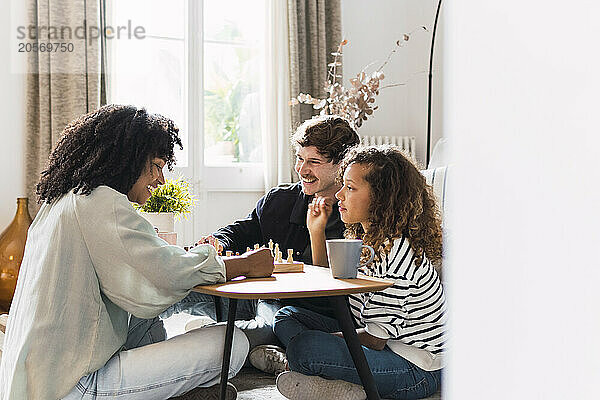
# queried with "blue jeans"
point(150, 367)
point(313, 350)
point(253, 317)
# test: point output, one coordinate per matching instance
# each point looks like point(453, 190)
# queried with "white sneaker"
point(268, 358)
point(295, 386)
point(199, 322)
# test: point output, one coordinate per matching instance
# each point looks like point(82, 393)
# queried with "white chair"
point(440, 154)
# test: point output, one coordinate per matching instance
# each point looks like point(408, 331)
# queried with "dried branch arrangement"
point(357, 102)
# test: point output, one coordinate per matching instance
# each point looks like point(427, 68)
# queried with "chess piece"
point(290, 258)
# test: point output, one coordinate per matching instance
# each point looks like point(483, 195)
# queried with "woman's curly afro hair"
point(402, 204)
point(110, 146)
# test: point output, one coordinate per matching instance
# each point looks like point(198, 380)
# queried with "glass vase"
point(12, 247)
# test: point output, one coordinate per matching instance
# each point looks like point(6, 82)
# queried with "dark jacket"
point(280, 215)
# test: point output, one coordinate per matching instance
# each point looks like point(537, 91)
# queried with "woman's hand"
point(260, 263)
point(317, 215)
point(252, 264)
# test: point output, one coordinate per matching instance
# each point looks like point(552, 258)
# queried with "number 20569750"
point(50, 47)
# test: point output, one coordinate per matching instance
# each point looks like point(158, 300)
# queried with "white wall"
point(12, 115)
point(521, 108)
point(372, 29)
point(222, 208)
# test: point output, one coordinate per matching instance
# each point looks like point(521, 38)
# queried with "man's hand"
point(317, 214)
point(210, 239)
point(252, 264)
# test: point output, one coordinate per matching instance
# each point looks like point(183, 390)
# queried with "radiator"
point(406, 143)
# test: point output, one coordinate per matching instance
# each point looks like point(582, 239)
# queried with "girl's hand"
point(316, 219)
point(317, 215)
point(366, 339)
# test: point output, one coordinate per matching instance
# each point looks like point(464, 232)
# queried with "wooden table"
point(313, 282)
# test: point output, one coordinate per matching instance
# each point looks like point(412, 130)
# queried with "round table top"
point(313, 282)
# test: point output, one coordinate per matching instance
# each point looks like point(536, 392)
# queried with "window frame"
point(236, 177)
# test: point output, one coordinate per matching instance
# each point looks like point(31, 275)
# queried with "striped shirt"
point(411, 314)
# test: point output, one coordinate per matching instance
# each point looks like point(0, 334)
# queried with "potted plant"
point(167, 201)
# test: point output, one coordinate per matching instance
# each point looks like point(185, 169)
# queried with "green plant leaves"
point(174, 196)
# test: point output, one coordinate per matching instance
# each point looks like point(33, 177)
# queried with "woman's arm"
point(316, 219)
point(253, 264)
point(137, 270)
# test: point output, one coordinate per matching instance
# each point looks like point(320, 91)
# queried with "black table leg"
point(227, 347)
point(358, 356)
point(218, 302)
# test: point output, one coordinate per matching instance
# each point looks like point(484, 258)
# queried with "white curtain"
point(276, 125)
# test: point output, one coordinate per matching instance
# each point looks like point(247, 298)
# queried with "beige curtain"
point(315, 31)
point(61, 85)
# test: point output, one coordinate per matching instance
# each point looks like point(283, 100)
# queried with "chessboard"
point(295, 266)
point(280, 265)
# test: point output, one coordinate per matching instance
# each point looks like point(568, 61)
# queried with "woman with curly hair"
point(95, 276)
point(385, 202)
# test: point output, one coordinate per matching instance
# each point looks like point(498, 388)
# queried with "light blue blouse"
point(89, 262)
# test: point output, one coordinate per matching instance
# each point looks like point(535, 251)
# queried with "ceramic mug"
point(344, 256)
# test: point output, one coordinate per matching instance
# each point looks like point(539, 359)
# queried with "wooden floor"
point(253, 384)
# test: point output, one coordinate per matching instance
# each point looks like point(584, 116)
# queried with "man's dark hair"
point(330, 134)
point(110, 146)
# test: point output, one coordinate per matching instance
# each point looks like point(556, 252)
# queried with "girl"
point(385, 202)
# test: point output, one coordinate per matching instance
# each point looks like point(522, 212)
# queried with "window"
point(232, 59)
point(155, 71)
point(199, 64)
point(151, 71)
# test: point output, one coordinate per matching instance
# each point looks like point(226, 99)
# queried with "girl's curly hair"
point(110, 146)
point(402, 204)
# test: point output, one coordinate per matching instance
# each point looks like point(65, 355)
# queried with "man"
point(280, 216)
